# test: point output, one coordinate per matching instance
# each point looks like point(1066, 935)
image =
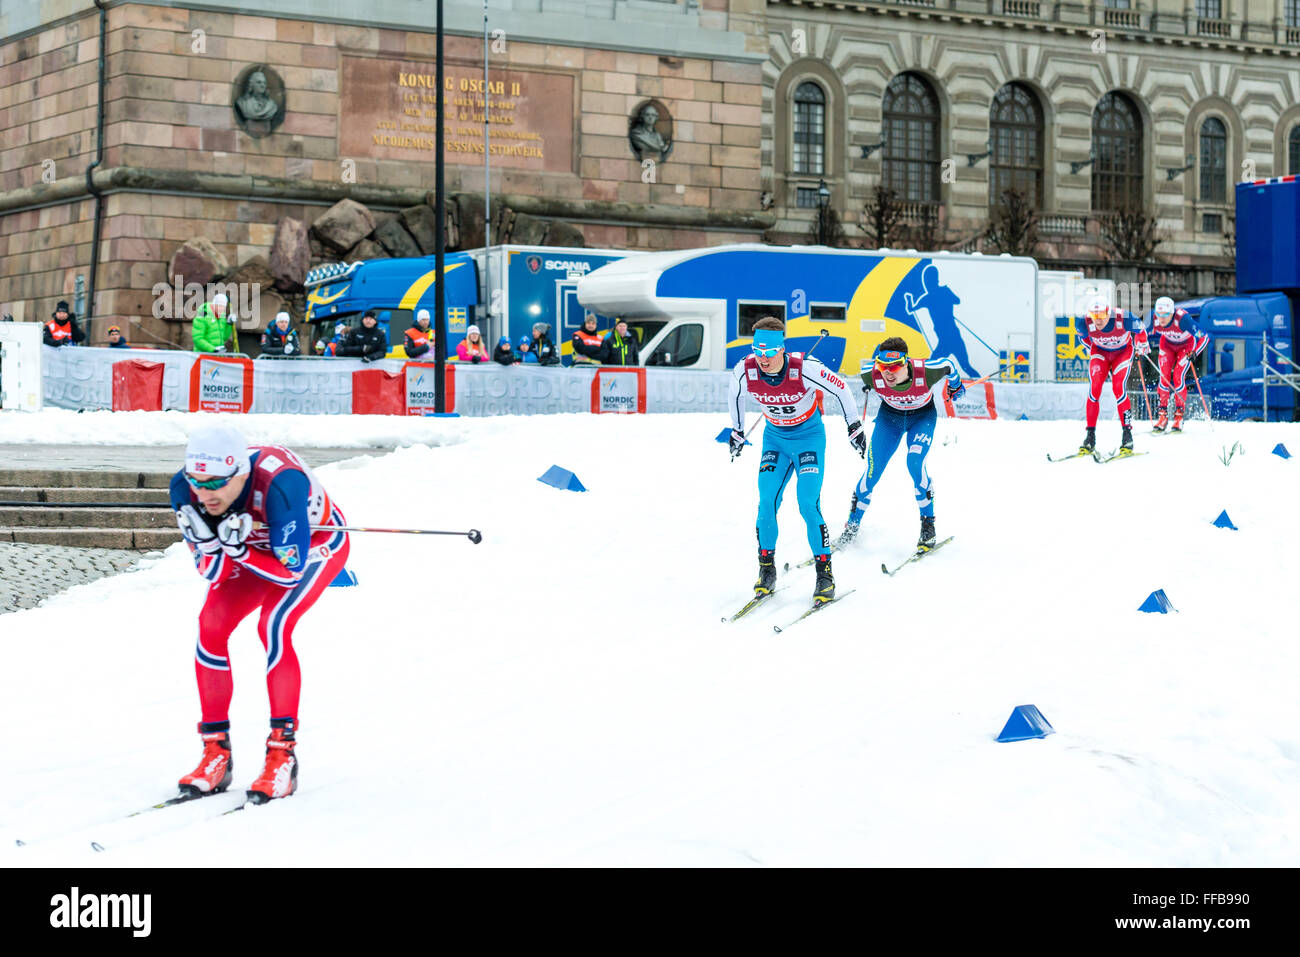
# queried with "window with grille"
point(1214, 161)
point(809, 129)
point(1291, 10)
point(1293, 152)
point(1117, 154)
point(1118, 4)
point(1209, 9)
point(911, 127)
point(1212, 223)
point(1016, 141)
point(806, 197)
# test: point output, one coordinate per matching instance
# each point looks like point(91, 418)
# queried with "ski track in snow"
point(564, 693)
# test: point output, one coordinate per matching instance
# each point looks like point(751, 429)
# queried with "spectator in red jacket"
point(586, 343)
point(419, 338)
point(62, 329)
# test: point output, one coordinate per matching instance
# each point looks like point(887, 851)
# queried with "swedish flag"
point(456, 319)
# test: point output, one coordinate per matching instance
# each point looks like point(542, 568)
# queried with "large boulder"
point(392, 235)
point(527, 230)
point(343, 225)
point(469, 219)
point(366, 249)
point(422, 224)
point(290, 254)
point(564, 234)
point(197, 261)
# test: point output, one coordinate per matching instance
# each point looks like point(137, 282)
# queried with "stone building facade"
point(1171, 100)
point(185, 154)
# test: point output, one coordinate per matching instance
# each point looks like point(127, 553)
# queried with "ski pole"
point(474, 535)
point(1146, 405)
point(1204, 405)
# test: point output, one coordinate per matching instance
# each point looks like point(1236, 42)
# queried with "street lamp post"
point(823, 200)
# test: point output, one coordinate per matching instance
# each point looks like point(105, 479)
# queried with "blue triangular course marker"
point(343, 579)
point(1157, 601)
point(725, 436)
point(1224, 522)
point(561, 478)
point(1280, 449)
point(1023, 418)
point(1026, 722)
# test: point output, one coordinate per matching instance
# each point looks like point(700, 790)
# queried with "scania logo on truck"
point(567, 265)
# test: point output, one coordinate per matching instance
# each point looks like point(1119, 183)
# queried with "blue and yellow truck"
point(529, 284)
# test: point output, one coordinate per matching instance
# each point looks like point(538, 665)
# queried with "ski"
point(183, 798)
point(1115, 455)
point(918, 555)
point(1066, 458)
point(817, 607)
point(809, 561)
point(752, 604)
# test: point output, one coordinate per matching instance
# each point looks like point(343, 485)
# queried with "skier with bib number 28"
point(786, 386)
point(906, 411)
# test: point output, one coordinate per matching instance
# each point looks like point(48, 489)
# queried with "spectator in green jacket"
point(213, 325)
point(620, 346)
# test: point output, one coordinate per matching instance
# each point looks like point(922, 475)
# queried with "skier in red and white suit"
point(280, 567)
point(1112, 335)
point(1181, 341)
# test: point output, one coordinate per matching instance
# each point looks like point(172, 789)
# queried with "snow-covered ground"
point(565, 693)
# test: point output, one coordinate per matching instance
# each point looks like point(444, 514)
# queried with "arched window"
point(1293, 152)
point(1117, 153)
point(1213, 167)
point(1016, 140)
point(809, 129)
point(911, 128)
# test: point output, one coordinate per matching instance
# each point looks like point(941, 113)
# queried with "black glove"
point(365, 358)
point(858, 438)
point(476, 358)
point(736, 442)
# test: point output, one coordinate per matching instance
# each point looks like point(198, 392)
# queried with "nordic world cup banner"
point(618, 390)
point(221, 384)
point(420, 395)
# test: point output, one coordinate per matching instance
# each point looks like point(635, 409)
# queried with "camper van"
point(697, 308)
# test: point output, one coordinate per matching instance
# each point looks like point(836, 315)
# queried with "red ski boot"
point(279, 777)
point(215, 768)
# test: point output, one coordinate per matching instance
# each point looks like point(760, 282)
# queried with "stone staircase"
point(87, 508)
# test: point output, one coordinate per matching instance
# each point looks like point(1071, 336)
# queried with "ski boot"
point(279, 777)
point(1089, 444)
point(926, 541)
point(824, 590)
point(1178, 421)
point(1126, 442)
point(766, 572)
point(1162, 421)
point(216, 769)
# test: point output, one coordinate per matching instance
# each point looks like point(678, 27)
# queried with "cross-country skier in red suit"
point(1181, 341)
point(1112, 335)
point(280, 567)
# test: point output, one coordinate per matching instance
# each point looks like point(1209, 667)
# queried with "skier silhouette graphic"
point(938, 300)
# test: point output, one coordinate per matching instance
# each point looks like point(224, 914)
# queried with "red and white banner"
point(420, 398)
point(618, 389)
point(221, 384)
point(977, 403)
